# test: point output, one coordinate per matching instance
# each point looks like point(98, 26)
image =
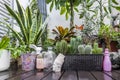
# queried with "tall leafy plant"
point(99, 9)
point(88, 14)
point(29, 34)
point(66, 7)
point(106, 32)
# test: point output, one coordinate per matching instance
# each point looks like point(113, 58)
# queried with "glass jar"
point(49, 58)
point(39, 62)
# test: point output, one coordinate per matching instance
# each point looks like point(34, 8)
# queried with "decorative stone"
point(57, 65)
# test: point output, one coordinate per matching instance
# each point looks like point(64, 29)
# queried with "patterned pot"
point(28, 62)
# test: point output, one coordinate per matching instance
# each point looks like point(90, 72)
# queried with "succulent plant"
point(74, 45)
point(79, 40)
point(61, 47)
point(88, 49)
point(69, 49)
point(81, 49)
point(96, 49)
point(64, 46)
point(58, 47)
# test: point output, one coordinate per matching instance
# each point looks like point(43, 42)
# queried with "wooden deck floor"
point(65, 75)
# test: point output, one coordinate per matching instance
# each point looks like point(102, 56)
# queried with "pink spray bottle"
point(107, 66)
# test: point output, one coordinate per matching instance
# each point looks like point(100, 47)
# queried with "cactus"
point(61, 47)
point(79, 40)
point(74, 45)
point(81, 49)
point(88, 49)
point(69, 49)
point(57, 47)
point(96, 49)
point(64, 46)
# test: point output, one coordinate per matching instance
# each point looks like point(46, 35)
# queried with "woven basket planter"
point(84, 62)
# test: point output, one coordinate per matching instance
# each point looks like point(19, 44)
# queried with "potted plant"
point(83, 60)
point(4, 53)
point(16, 52)
point(63, 33)
point(96, 49)
point(31, 31)
point(75, 60)
point(107, 33)
point(118, 45)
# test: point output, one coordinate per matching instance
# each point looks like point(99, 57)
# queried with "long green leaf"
point(16, 17)
point(16, 33)
point(115, 2)
point(105, 10)
point(51, 6)
point(63, 10)
point(48, 1)
point(20, 12)
point(117, 7)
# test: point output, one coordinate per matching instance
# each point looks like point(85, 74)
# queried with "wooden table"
point(65, 75)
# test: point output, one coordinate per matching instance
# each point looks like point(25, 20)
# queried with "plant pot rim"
point(82, 54)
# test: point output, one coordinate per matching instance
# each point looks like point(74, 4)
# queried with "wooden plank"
point(38, 75)
point(118, 71)
point(114, 75)
point(100, 75)
point(4, 75)
point(53, 76)
point(69, 75)
point(21, 76)
point(85, 75)
point(7, 74)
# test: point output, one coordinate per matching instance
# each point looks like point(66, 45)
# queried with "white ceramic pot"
point(4, 60)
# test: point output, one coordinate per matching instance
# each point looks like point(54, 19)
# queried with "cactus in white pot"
point(4, 54)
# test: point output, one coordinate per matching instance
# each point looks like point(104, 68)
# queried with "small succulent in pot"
point(81, 49)
point(96, 49)
point(61, 47)
point(88, 49)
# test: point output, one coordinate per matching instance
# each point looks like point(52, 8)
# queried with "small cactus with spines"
point(73, 43)
point(58, 47)
point(81, 49)
point(64, 47)
point(88, 49)
point(61, 47)
point(79, 40)
point(69, 49)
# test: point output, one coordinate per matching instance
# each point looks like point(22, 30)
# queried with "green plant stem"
point(72, 14)
point(101, 12)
